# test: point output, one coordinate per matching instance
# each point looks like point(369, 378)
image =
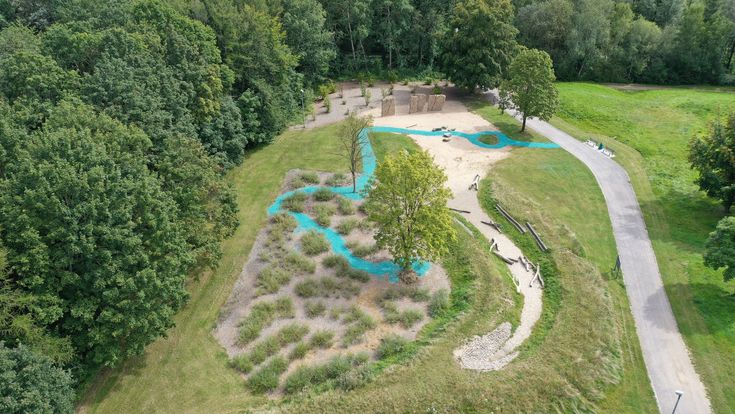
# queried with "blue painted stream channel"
point(386, 268)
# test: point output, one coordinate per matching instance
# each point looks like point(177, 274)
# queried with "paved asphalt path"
point(666, 356)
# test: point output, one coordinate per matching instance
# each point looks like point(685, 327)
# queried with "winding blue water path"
point(386, 268)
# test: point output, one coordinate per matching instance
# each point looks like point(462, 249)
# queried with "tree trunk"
point(354, 183)
point(523, 127)
point(352, 40)
point(732, 52)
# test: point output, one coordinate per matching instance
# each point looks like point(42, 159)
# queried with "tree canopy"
point(479, 44)
point(529, 87)
point(720, 248)
point(408, 203)
point(713, 156)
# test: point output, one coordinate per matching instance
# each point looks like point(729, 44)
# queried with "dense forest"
point(119, 120)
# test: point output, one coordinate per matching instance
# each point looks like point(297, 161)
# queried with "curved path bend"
point(666, 356)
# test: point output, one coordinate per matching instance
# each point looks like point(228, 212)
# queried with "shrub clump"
point(407, 318)
point(391, 345)
point(359, 323)
point(325, 287)
point(270, 280)
point(363, 250)
point(314, 243)
point(346, 226)
point(323, 214)
point(267, 377)
point(343, 269)
point(262, 315)
point(297, 262)
point(323, 194)
point(321, 339)
point(438, 303)
point(299, 351)
point(242, 363)
point(342, 372)
point(345, 206)
point(310, 177)
point(336, 179)
point(295, 202)
point(314, 309)
point(283, 223)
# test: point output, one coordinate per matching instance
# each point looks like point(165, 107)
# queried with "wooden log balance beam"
point(539, 242)
point(505, 259)
point(537, 276)
point(510, 218)
point(459, 211)
point(492, 224)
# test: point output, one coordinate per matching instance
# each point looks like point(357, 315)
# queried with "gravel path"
point(666, 356)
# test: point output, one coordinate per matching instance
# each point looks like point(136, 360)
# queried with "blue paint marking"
point(386, 268)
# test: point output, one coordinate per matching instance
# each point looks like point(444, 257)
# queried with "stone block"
point(413, 104)
point(388, 106)
point(421, 105)
point(436, 102)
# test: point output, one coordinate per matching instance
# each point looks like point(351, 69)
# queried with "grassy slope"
point(188, 371)
point(649, 131)
point(556, 183)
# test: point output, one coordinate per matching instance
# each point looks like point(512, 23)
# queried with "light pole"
point(303, 111)
point(678, 397)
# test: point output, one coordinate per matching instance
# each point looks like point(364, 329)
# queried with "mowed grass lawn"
point(188, 372)
point(650, 131)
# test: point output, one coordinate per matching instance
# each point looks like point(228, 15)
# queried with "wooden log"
point(539, 242)
point(510, 218)
point(493, 245)
point(459, 211)
point(492, 224)
point(537, 276)
point(505, 259)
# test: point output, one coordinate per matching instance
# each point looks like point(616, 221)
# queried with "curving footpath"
point(666, 356)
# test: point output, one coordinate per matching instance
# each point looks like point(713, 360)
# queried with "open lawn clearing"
point(649, 131)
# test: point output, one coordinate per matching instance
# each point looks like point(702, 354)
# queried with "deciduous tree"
point(720, 248)
point(479, 43)
point(713, 156)
point(352, 142)
point(408, 203)
point(530, 86)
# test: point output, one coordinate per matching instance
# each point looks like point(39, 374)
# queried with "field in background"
point(649, 131)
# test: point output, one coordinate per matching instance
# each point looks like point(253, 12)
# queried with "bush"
point(295, 202)
point(270, 280)
point(363, 250)
point(242, 363)
point(300, 263)
point(391, 314)
point(410, 317)
point(346, 226)
point(313, 243)
point(323, 194)
point(263, 349)
point(263, 314)
point(334, 260)
point(344, 372)
point(345, 206)
point(352, 273)
point(324, 213)
point(266, 378)
point(291, 333)
point(299, 351)
point(360, 322)
point(307, 288)
point(321, 339)
point(295, 183)
point(310, 177)
point(436, 90)
point(392, 76)
point(391, 345)
point(314, 309)
point(283, 223)
point(439, 303)
point(336, 179)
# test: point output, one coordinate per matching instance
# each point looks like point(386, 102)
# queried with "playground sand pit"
point(297, 300)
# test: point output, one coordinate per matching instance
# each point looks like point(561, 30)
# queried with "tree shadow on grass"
point(715, 303)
